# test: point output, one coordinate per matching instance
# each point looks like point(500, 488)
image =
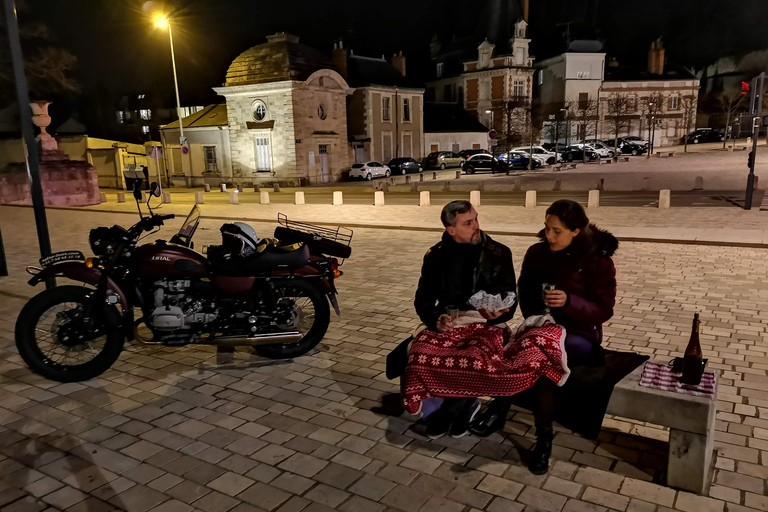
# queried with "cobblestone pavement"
point(189, 429)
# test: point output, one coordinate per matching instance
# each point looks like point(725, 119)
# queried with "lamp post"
point(651, 106)
point(162, 22)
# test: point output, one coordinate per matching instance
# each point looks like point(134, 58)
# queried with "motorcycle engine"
point(176, 307)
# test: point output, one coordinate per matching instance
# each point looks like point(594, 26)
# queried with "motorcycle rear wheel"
point(55, 359)
point(312, 305)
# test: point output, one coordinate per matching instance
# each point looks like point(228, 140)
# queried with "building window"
point(145, 114)
point(120, 117)
point(583, 101)
point(406, 109)
point(439, 69)
point(321, 113)
point(141, 96)
point(674, 103)
point(145, 129)
point(386, 145)
point(209, 153)
point(263, 154)
point(541, 77)
point(385, 108)
point(259, 110)
point(518, 89)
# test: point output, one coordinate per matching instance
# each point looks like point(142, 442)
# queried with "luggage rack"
point(327, 240)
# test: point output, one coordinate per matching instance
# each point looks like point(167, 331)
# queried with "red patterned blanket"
point(472, 361)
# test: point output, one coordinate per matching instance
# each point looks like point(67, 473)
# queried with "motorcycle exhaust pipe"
point(253, 340)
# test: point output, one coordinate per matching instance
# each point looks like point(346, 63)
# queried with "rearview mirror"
point(137, 189)
point(154, 189)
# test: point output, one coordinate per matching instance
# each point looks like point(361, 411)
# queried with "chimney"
point(525, 10)
point(398, 61)
point(434, 47)
point(340, 58)
point(656, 58)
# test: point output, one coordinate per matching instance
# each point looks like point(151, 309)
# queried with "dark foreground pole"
point(33, 162)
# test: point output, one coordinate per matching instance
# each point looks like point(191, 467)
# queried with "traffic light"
point(751, 159)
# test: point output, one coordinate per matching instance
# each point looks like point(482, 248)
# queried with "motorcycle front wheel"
point(311, 316)
point(61, 336)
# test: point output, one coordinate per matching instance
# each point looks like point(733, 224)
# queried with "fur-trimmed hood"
point(594, 240)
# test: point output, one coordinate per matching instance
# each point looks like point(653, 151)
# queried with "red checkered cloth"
point(472, 361)
point(661, 376)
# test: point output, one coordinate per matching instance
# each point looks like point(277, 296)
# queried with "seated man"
point(464, 262)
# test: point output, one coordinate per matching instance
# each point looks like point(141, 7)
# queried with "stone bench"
point(624, 158)
point(603, 161)
point(661, 154)
point(691, 422)
point(570, 166)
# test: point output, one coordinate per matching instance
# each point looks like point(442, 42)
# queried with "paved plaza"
point(177, 430)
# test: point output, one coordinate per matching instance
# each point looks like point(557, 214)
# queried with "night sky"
point(117, 47)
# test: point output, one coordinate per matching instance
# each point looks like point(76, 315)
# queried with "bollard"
point(378, 198)
point(407, 180)
point(424, 198)
point(557, 186)
point(199, 198)
point(664, 199)
point(264, 197)
point(530, 199)
point(233, 198)
point(458, 175)
point(594, 199)
point(121, 197)
point(474, 197)
point(102, 197)
point(257, 188)
point(223, 187)
point(698, 183)
point(276, 187)
point(166, 197)
point(338, 198)
point(421, 177)
point(298, 198)
point(207, 187)
point(434, 175)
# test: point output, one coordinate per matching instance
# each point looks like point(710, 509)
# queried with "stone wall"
point(65, 183)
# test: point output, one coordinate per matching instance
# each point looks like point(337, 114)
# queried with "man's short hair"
point(448, 215)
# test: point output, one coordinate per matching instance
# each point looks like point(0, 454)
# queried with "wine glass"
point(546, 287)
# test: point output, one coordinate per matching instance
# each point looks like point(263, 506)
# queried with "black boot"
point(538, 464)
point(493, 418)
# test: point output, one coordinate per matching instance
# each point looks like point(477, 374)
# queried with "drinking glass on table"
point(453, 312)
point(546, 287)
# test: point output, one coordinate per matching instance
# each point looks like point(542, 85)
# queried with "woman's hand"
point(444, 323)
point(555, 298)
point(492, 315)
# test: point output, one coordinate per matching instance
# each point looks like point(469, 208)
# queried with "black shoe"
point(538, 464)
point(490, 420)
point(460, 425)
point(439, 423)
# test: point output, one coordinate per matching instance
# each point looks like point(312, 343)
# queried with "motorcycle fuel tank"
point(169, 260)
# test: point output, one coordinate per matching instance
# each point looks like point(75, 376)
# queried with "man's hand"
point(444, 323)
point(492, 315)
point(555, 298)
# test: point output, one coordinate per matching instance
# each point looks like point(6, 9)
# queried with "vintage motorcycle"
point(269, 294)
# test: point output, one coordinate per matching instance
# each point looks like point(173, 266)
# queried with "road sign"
point(183, 141)
point(492, 134)
point(184, 150)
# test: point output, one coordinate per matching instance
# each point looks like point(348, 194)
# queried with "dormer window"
point(439, 70)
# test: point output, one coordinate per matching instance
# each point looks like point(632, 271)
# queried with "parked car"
point(404, 165)
point(483, 162)
point(626, 147)
point(585, 153)
point(518, 160)
point(539, 153)
point(443, 159)
point(702, 135)
point(601, 149)
point(369, 170)
point(637, 140)
point(466, 153)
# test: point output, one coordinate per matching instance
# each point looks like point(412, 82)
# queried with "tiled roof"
point(367, 71)
point(212, 115)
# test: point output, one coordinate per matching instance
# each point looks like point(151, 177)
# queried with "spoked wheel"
point(63, 336)
point(305, 309)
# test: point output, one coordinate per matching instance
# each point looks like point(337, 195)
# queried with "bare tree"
point(520, 128)
point(651, 108)
point(730, 102)
point(584, 112)
point(619, 108)
point(48, 68)
point(689, 105)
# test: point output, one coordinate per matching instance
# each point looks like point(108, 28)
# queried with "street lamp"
point(162, 22)
point(651, 106)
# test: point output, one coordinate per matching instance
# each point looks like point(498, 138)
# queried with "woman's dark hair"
point(570, 213)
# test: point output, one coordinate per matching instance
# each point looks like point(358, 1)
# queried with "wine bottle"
point(692, 359)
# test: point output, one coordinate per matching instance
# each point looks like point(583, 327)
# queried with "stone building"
point(287, 115)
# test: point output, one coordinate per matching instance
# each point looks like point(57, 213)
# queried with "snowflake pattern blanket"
point(472, 361)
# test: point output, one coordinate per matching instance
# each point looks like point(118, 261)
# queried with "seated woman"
point(570, 275)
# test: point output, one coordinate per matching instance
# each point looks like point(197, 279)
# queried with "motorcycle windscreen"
point(189, 227)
